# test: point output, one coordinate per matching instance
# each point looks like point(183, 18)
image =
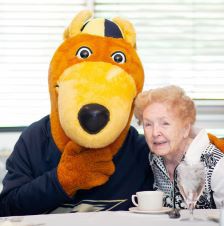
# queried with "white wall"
point(8, 140)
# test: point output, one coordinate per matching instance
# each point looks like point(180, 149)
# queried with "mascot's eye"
point(83, 52)
point(118, 57)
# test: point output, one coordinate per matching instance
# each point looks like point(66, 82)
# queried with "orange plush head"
point(94, 76)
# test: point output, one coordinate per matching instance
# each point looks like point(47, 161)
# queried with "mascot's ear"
point(127, 30)
point(77, 23)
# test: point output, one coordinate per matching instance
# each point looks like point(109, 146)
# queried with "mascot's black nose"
point(93, 117)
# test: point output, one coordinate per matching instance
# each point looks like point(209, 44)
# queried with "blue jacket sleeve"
point(31, 185)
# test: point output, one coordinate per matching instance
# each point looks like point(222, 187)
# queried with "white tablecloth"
point(107, 218)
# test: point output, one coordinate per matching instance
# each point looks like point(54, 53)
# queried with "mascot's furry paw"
point(84, 169)
point(218, 142)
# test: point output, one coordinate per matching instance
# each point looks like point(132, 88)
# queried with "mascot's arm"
point(84, 169)
point(31, 185)
point(218, 142)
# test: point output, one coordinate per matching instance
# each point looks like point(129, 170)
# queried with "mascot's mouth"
point(93, 117)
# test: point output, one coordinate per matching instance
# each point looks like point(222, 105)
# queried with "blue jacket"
point(31, 185)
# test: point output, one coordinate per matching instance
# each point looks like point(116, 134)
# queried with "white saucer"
point(163, 210)
point(214, 216)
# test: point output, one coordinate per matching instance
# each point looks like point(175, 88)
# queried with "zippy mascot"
point(85, 156)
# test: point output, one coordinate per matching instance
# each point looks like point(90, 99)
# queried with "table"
point(108, 218)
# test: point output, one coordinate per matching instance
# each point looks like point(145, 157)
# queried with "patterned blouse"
point(212, 158)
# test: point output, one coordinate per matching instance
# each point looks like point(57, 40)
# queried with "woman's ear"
point(187, 129)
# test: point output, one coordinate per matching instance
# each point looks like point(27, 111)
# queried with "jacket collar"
point(197, 146)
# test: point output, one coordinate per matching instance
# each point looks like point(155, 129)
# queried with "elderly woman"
point(168, 116)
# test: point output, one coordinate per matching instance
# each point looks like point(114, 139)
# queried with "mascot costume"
point(85, 156)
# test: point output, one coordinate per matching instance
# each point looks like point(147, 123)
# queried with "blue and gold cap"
point(117, 28)
point(102, 27)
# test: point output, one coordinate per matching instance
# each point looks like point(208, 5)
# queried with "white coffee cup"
point(148, 200)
